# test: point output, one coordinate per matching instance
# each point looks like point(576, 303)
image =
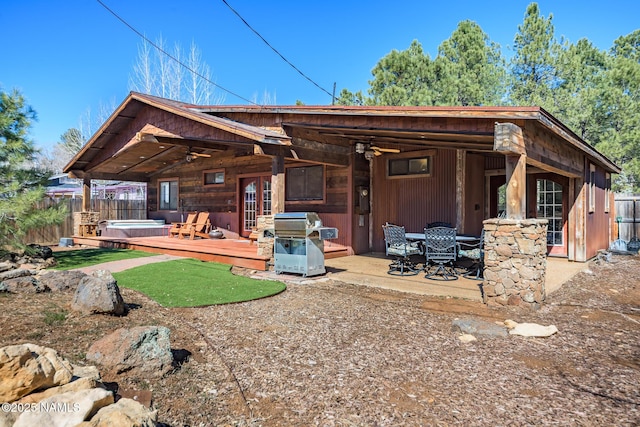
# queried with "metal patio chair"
point(396, 245)
point(474, 252)
point(440, 253)
point(439, 224)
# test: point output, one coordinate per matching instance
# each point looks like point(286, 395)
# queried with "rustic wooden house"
point(358, 167)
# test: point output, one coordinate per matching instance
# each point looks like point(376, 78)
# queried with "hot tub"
point(124, 228)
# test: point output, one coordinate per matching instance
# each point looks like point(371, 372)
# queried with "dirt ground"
point(333, 354)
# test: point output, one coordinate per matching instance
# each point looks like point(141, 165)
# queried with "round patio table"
point(459, 237)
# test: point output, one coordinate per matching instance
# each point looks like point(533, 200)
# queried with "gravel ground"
point(336, 354)
point(332, 354)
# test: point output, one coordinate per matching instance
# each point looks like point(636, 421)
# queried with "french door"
point(256, 201)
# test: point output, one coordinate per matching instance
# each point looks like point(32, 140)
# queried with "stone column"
point(515, 262)
point(265, 242)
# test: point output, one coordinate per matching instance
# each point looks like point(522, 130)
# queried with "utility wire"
point(276, 51)
point(172, 57)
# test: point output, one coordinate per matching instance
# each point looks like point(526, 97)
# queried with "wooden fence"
point(628, 215)
point(109, 209)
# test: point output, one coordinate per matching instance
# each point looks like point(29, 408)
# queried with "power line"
point(171, 56)
point(276, 51)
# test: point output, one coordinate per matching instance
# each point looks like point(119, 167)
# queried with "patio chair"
point(200, 227)
point(396, 245)
point(440, 253)
point(474, 252)
point(439, 224)
point(177, 226)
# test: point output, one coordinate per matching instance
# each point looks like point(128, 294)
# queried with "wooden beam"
point(302, 154)
point(277, 184)
point(508, 138)
point(319, 146)
point(516, 170)
point(86, 194)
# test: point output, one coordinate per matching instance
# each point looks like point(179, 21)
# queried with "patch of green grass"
point(86, 257)
point(55, 318)
point(192, 283)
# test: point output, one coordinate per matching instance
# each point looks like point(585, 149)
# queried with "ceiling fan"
point(192, 155)
point(372, 149)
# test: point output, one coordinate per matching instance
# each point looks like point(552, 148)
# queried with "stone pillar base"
point(515, 262)
point(265, 240)
point(82, 218)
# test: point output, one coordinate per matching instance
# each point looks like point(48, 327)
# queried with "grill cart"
point(299, 243)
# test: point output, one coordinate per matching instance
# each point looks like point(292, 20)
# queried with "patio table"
point(459, 237)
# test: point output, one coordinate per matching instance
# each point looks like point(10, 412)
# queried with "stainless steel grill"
point(299, 243)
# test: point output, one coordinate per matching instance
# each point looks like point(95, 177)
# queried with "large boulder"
point(142, 350)
point(26, 284)
point(98, 293)
point(71, 408)
point(84, 383)
point(123, 413)
point(28, 367)
point(61, 281)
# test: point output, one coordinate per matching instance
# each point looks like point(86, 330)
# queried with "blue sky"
point(71, 57)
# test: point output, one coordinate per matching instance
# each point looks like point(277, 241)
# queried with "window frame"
point(305, 200)
point(415, 155)
point(177, 196)
point(554, 220)
point(213, 171)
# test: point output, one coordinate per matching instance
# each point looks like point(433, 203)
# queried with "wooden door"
point(255, 201)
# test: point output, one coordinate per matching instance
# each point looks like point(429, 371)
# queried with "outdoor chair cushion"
point(474, 253)
point(407, 249)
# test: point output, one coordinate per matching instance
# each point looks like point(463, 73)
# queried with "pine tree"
point(21, 185)
point(533, 66)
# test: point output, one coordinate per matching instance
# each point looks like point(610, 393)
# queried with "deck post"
point(86, 194)
point(277, 184)
point(509, 139)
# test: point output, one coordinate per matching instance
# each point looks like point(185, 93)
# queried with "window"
point(304, 183)
point(168, 197)
point(409, 167)
point(213, 177)
point(607, 192)
point(550, 208)
point(266, 197)
point(592, 188)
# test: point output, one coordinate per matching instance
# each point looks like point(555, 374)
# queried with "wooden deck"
point(238, 252)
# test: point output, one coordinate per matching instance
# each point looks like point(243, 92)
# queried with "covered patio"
point(367, 270)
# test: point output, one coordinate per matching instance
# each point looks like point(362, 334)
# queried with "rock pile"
point(39, 387)
point(95, 293)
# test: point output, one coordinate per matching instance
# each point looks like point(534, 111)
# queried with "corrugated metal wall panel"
point(340, 221)
point(414, 202)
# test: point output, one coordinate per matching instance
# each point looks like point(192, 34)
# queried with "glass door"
point(256, 201)
point(550, 206)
